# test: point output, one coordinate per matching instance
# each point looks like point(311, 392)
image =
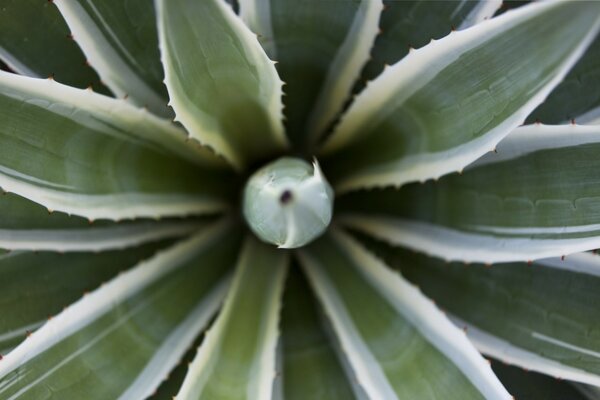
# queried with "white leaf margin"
point(94, 239)
point(484, 10)
point(144, 129)
point(352, 55)
point(254, 50)
point(256, 14)
point(480, 244)
point(262, 385)
point(126, 285)
point(14, 64)
point(453, 245)
point(385, 86)
point(113, 70)
point(506, 352)
point(412, 305)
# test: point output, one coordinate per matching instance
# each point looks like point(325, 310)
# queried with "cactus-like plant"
point(189, 189)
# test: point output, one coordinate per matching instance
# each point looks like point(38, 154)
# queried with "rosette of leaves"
point(462, 149)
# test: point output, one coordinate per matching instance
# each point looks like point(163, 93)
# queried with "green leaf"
point(412, 24)
point(237, 358)
point(28, 226)
point(538, 196)
point(445, 105)
point(124, 338)
point(79, 152)
point(223, 87)
point(577, 96)
point(37, 286)
point(120, 40)
point(311, 369)
point(320, 48)
point(542, 317)
point(397, 342)
point(35, 41)
point(525, 384)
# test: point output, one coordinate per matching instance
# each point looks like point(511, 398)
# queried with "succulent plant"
point(169, 171)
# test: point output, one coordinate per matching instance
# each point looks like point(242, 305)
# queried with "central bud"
point(288, 202)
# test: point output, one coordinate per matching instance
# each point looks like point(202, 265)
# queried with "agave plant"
point(183, 199)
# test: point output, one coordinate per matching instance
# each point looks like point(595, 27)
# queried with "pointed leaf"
point(311, 369)
point(577, 96)
point(37, 286)
point(413, 23)
point(28, 226)
point(223, 87)
point(121, 340)
point(79, 152)
point(120, 40)
point(397, 342)
point(237, 357)
point(320, 48)
point(542, 317)
point(45, 47)
point(538, 196)
point(478, 85)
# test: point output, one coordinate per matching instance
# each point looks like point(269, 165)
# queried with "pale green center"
point(288, 202)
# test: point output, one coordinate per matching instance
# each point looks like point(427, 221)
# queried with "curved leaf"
point(237, 357)
point(542, 317)
point(120, 40)
point(320, 48)
point(412, 24)
point(37, 286)
point(45, 47)
point(448, 103)
point(310, 367)
point(28, 226)
point(223, 87)
point(121, 340)
point(537, 196)
point(79, 152)
point(397, 342)
point(577, 97)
